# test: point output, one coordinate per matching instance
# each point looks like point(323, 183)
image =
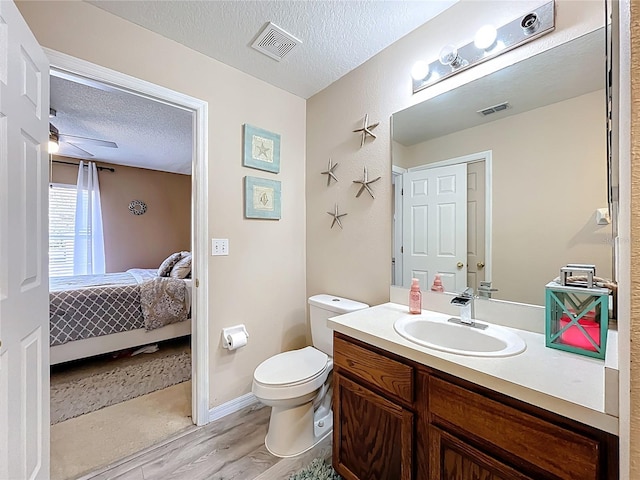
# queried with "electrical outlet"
point(219, 246)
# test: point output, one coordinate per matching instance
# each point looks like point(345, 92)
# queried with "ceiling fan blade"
point(73, 139)
point(84, 152)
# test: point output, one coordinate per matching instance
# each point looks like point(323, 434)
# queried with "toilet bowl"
point(297, 384)
point(289, 383)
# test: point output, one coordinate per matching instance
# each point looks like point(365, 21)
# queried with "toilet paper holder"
point(227, 332)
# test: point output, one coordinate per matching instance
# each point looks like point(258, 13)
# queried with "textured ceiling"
point(149, 134)
point(566, 71)
point(337, 36)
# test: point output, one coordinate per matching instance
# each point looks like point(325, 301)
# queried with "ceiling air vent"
point(275, 42)
point(494, 109)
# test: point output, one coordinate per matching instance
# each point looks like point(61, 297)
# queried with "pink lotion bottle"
point(437, 284)
point(415, 297)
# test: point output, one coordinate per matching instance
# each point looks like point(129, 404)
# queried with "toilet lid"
point(291, 367)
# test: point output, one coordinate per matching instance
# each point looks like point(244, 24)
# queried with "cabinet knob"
point(460, 265)
point(480, 265)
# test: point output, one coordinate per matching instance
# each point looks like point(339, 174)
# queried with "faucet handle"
point(485, 290)
point(486, 286)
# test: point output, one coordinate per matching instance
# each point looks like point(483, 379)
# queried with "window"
point(62, 212)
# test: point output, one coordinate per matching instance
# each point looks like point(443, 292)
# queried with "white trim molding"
point(622, 151)
point(232, 406)
point(199, 201)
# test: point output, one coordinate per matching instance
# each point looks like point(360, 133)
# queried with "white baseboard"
point(232, 406)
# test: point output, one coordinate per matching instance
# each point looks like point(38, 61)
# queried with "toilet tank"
point(321, 308)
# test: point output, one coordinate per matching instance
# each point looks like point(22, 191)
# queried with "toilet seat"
point(291, 375)
point(291, 368)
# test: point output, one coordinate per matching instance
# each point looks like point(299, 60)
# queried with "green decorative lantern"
point(577, 314)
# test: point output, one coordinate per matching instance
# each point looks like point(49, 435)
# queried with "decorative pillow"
point(165, 267)
point(183, 268)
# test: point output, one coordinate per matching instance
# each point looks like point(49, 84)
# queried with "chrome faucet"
point(465, 301)
point(485, 290)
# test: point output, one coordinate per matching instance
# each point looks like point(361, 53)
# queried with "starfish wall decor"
point(336, 217)
point(366, 130)
point(365, 182)
point(330, 172)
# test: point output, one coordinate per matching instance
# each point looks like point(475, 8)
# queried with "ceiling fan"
point(75, 142)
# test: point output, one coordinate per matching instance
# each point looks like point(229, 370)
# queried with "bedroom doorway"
point(167, 337)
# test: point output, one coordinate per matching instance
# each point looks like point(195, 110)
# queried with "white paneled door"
point(24, 290)
point(476, 226)
point(435, 226)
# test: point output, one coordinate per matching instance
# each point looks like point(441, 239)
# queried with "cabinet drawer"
point(388, 375)
point(544, 446)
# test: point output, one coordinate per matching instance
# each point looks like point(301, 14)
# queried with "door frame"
point(396, 178)
point(488, 168)
point(199, 201)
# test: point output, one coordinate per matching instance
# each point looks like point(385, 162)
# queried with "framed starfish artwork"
point(262, 198)
point(261, 149)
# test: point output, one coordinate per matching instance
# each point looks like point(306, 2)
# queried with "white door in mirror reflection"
point(435, 226)
point(476, 226)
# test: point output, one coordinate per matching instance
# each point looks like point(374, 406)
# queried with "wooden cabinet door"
point(372, 437)
point(452, 459)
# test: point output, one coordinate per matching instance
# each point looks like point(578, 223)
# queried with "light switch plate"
point(219, 246)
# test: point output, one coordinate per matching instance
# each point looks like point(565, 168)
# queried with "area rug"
point(318, 469)
point(78, 396)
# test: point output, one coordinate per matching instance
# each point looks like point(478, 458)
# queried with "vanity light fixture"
point(489, 42)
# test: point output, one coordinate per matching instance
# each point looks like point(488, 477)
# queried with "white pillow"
point(183, 268)
point(167, 265)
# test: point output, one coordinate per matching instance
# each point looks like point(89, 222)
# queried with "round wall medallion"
point(137, 207)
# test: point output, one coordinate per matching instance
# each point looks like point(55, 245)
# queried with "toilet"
point(297, 384)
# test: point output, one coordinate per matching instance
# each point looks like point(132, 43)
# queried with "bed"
point(95, 314)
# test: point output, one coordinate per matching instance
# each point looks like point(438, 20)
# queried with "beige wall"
point(634, 427)
point(262, 282)
point(139, 241)
point(356, 262)
point(548, 179)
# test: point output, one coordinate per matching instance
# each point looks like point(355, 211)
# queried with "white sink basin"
point(438, 333)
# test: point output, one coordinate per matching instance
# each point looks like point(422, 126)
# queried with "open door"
point(435, 226)
point(24, 289)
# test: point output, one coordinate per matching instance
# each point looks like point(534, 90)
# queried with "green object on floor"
point(318, 469)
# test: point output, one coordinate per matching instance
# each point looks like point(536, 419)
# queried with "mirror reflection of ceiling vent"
point(275, 42)
point(494, 109)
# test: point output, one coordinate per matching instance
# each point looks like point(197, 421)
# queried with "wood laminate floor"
point(229, 448)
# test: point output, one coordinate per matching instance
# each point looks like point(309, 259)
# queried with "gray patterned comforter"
point(87, 306)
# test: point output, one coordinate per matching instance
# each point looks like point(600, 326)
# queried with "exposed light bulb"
point(420, 70)
point(53, 146)
point(448, 54)
point(486, 37)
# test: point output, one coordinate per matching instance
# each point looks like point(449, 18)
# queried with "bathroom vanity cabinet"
point(395, 419)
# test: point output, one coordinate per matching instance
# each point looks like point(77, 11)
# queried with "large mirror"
point(504, 179)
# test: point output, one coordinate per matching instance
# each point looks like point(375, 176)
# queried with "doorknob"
point(480, 265)
point(460, 265)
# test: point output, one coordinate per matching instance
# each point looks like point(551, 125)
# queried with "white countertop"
point(565, 383)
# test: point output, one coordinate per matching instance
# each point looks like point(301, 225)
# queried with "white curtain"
point(88, 249)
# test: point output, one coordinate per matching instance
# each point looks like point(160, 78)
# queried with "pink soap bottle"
point(415, 297)
point(437, 284)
